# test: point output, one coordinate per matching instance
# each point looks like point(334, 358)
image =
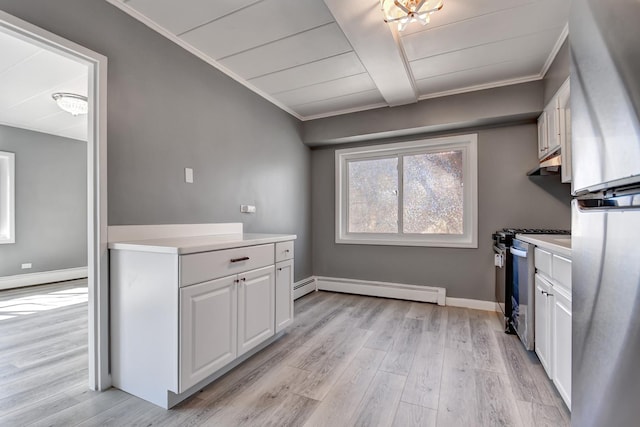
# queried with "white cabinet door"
point(543, 324)
point(564, 109)
point(553, 126)
point(207, 329)
point(256, 308)
point(561, 333)
point(284, 294)
point(543, 147)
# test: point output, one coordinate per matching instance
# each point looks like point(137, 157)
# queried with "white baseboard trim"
point(472, 303)
point(30, 279)
point(383, 289)
point(304, 287)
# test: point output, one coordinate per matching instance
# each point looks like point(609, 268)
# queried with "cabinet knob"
point(280, 269)
point(244, 279)
point(287, 251)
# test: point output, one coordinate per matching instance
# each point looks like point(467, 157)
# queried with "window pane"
point(433, 193)
point(373, 196)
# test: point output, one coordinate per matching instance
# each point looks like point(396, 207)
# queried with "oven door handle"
point(518, 252)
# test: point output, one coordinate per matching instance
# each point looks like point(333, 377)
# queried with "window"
point(419, 193)
point(7, 197)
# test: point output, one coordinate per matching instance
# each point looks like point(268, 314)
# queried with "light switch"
point(188, 175)
point(26, 265)
point(247, 209)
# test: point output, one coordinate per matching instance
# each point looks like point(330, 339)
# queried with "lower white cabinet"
point(562, 343)
point(179, 320)
point(284, 294)
point(256, 308)
point(543, 322)
point(553, 318)
point(208, 319)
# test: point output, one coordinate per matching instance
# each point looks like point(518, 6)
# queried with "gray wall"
point(557, 73)
point(497, 106)
point(507, 198)
point(51, 202)
point(168, 110)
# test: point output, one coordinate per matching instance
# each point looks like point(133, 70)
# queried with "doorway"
point(97, 255)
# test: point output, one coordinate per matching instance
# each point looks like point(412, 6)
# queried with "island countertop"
point(557, 243)
point(190, 245)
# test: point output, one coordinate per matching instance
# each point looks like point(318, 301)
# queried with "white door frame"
point(97, 255)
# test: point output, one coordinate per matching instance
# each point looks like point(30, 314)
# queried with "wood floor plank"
point(293, 411)
point(101, 404)
point(522, 383)
point(484, 344)
point(348, 391)
point(539, 415)
point(379, 405)
point(409, 415)
point(323, 375)
point(424, 378)
point(495, 403)
point(387, 324)
point(458, 329)
point(403, 348)
point(457, 405)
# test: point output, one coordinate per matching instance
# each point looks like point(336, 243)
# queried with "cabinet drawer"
point(542, 260)
point(562, 271)
point(200, 267)
point(284, 251)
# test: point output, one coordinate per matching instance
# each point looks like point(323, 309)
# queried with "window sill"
point(433, 243)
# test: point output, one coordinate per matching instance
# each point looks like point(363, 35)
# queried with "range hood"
point(550, 166)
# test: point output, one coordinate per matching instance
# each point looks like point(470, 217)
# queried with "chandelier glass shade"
point(71, 103)
point(406, 11)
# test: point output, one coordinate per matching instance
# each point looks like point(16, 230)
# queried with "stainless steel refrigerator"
point(605, 108)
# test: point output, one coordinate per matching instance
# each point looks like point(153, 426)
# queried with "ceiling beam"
point(377, 46)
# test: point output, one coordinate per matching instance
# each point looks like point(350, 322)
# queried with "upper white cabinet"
point(554, 130)
point(564, 110)
point(183, 315)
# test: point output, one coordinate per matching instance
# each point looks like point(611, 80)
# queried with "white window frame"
point(468, 144)
point(7, 198)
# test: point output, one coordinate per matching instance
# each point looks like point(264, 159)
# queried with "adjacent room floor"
point(347, 360)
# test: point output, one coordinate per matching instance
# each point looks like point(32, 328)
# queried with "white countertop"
point(557, 243)
point(190, 245)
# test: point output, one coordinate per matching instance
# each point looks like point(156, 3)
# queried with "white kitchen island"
point(553, 313)
point(186, 310)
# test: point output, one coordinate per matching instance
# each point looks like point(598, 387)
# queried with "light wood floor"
point(346, 361)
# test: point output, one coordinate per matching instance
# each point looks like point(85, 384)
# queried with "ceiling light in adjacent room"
point(405, 11)
point(71, 103)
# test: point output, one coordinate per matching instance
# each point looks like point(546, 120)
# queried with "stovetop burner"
point(535, 231)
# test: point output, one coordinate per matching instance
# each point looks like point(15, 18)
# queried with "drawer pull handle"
point(244, 258)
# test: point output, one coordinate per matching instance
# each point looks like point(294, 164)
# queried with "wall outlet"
point(188, 175)
point(26, 266)
point(247, 209)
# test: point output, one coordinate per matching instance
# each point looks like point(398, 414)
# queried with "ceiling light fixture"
point(405, 11)
point(71, 103)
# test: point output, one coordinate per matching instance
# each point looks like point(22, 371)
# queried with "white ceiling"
point(28, 77)
point(316, 58)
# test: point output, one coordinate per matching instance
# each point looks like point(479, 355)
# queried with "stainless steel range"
point(509, 289)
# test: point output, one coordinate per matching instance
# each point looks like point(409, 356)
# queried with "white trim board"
point(124, 233)
point(31, 279)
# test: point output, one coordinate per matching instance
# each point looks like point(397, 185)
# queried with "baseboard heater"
point(383, 289)
point(304, 287)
